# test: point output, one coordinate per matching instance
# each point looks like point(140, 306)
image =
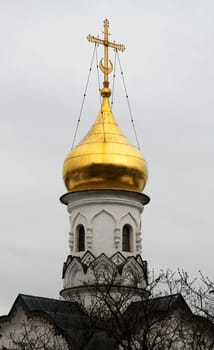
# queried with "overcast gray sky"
point(168, 66)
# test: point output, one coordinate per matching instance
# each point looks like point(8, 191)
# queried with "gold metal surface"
point(105, 159)
point(106, 43)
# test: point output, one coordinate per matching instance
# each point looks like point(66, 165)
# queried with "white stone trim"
point(103, 213)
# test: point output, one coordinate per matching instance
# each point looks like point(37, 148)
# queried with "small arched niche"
point(80, 238)
point(127, 238)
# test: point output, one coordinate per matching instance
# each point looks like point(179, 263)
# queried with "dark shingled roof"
point(69, 315)
point(64, 314)
point(166, 303)
point(162, 304)
point(68, 318)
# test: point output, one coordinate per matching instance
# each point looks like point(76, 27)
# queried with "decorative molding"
point(82, 198)
point(118, 259)
point(89, 238)
point(79, 219)
point(138, 242)
point(117, 238)
point(71, 272)
point(128, 215)
point(101, 212)
point(71, 241)
point(87, 258)
point(89, 270)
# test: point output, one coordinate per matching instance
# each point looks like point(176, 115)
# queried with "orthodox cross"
point(104, 66)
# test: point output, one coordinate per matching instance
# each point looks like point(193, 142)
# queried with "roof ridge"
point(44, 298)
point(166, 296)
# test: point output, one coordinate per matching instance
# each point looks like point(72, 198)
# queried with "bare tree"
point(35, 334)
point(198, 292)
point(127, 317)
point(158, 318)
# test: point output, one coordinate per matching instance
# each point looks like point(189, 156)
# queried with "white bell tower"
point(105, 175)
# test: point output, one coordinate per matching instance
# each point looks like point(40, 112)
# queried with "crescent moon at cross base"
point(106, 70)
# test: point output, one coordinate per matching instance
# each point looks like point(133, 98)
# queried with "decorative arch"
point(133, 274)
point(129, 218)
point(104, 213)
point(103, 226)
point(103, 269)
point(74, 274)
point(79, 219)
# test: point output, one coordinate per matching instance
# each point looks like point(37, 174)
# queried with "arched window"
point(80, 238)
point(126, 238)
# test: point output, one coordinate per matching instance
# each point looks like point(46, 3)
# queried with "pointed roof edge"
point(21, 300)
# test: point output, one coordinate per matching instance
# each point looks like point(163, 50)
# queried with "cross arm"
point(117, 46)
point(92, 39)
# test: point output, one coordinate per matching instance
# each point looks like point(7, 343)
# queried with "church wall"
point(32, 331)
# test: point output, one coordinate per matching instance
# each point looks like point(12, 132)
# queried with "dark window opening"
point(80, 238)
point(126, 237)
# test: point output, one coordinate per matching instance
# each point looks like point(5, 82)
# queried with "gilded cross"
point(104, 66)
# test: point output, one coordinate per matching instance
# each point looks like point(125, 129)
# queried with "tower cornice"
point(100, 194)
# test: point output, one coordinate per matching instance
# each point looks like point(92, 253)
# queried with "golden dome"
point(105, 159)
